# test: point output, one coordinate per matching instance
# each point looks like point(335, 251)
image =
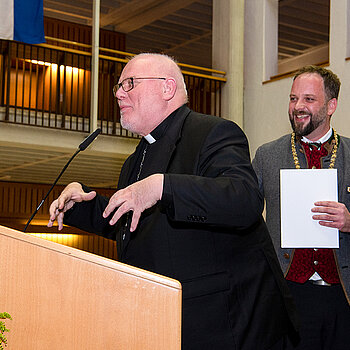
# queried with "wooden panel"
point(62, 298)
point(19, 200)
point(88, 242)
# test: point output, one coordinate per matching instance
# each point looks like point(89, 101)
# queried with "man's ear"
point(169, 88)
point(332, 106)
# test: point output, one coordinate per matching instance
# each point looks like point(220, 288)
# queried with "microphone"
point(83, 145)
point(89, 139)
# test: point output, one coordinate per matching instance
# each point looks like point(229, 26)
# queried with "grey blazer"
point(276, 155)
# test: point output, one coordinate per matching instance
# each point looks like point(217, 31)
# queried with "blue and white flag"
point(22, 20)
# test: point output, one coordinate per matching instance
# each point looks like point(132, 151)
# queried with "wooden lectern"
point(63, 298)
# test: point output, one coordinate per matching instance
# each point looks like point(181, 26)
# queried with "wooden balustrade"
point(49, 86)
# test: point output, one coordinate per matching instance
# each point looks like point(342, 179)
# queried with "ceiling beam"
point(283, 48)
point(139, 13)
point(283, 3)
point(295, 34)
point(71, 10)
point(127, 11)
point(188, 42)
point(62, 15)
point(33, 163)
point(294, 43)
point(302, 15)
point(304, 25)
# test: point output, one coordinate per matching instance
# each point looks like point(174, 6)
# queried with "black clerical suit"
point(207, 232)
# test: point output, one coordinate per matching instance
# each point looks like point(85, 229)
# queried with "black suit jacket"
point(207, 232)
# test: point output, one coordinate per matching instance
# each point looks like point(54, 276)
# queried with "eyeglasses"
point(128, 84)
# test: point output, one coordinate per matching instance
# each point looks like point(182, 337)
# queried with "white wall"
point(266, 105)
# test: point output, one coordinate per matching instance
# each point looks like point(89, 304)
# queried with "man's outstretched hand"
point(137, 197)
point(72, 194)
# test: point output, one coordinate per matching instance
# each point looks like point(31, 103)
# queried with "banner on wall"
point(22, 20)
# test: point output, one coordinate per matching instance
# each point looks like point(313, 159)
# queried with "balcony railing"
point(49, 86)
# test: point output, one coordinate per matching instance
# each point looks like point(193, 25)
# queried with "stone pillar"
point(228, 47)
point(95, 65)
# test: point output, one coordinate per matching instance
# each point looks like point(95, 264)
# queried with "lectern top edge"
point(93, 258)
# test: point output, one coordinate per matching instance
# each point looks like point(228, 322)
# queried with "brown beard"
point(315, 120)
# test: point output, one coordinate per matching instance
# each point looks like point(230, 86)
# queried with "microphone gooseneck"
point(86, 142)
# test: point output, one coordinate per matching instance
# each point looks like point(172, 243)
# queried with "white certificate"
point(300, 189)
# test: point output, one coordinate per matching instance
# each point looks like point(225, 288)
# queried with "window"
point(303, 33)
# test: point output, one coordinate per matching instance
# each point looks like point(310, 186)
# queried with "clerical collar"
point(323, 139)
point(160, 130)
point(150, 139)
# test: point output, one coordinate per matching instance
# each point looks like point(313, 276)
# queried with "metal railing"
point(48, 85)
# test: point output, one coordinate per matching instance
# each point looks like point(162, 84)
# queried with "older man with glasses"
point(188, 207)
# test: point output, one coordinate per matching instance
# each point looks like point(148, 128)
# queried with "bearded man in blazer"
point(188, 207)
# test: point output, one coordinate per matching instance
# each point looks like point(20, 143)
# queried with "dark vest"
point(308, 261)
